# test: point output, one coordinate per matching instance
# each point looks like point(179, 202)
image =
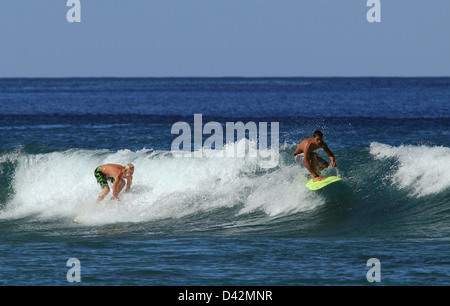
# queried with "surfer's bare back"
point(313, 162)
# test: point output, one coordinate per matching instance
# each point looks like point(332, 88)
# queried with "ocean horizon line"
point(224, 77)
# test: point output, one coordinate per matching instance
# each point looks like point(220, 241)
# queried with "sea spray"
point(61, 184)
point(423, 168)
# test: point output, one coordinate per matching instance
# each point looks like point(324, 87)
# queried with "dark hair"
point(318, 133)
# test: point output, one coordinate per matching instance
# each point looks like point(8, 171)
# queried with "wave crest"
point(62, 184)
point(426, 169)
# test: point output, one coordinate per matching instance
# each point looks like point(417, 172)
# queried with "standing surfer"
point(313, 162)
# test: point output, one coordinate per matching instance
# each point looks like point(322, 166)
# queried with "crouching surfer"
point(117, 175)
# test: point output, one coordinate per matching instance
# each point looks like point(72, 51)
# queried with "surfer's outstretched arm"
point(331, 155)
point(129, 181)
point(117, 188)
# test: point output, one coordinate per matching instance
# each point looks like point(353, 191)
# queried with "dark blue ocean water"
point(225, 221)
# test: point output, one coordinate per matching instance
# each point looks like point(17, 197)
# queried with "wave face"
point(406, 187)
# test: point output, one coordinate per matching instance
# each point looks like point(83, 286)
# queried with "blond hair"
point(128, 166)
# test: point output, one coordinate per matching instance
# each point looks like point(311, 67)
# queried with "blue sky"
point(215, 38)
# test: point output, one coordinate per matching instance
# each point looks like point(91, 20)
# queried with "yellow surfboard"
point(320, 184)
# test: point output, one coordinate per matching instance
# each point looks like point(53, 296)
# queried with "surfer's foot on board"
point(318, 178)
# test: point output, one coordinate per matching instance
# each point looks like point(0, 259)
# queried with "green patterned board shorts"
point(102, 179)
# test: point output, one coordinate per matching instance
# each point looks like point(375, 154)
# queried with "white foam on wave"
point(62, 185)
point(424, 168)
